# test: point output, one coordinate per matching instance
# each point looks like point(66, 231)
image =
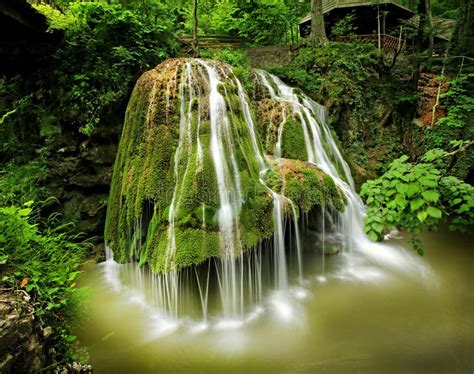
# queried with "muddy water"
point(353, 316)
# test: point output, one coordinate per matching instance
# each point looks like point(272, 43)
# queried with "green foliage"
point(457, 124)
point(238, 59)
point(417, 197)
point(19, 183)
point(459, 197)
point(262, 22)
point(49, 259)
point(266, 23)
point(345, 26)
point(45, 264)
point(57, 20)
point(87, 86)
point(460, 103)
point(335, 72)
point(104, 49)
point(36, 254)
point(234, 57)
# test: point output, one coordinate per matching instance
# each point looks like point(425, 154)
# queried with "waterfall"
point(218, 135)
point(323, 151)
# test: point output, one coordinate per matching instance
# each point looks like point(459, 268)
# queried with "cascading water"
point(217, 143)
point(323, 151)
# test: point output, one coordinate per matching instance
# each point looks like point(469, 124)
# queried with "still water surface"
point(357, 317)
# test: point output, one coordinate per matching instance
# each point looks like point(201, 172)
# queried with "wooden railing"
point(388, 43)
point(211, 41)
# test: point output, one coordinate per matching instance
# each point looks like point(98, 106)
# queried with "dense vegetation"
point(416, 176)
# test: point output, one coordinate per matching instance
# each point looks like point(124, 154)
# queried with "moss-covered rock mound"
point(190, 180)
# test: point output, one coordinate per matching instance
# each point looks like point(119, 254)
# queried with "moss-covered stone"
point(305, 185)
point(164, 201)
point(160, 164)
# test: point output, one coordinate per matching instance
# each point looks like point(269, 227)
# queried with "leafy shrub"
point(57, 20)
point(36, 254)
point(45, 264)
point(100, 60)
point(19, 183)
point(345, 26)
point(417, 197)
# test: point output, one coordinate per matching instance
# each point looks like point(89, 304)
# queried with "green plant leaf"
point(431, 195)
point(422, 216)
point(416, 204)
point(434, 212)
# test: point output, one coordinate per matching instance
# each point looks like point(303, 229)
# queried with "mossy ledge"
point(305, 185)
point(164, 187)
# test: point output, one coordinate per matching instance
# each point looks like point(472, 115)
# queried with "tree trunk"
point(318, 32)
point(429, 25)
point(463, 36)
point(420, 38)
point(195, 28)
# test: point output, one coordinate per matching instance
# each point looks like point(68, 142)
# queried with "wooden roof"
point(329, 5)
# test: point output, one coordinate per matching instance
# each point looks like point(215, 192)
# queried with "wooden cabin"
point(371, 19)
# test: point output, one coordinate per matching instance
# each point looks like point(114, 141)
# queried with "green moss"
point(332, 194)
point(193, 246)
point(292, 142)
point(258, 223)
point(305, 185)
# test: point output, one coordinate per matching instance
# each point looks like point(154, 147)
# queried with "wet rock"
point(47, 331)
point(74, 368)
point(21, 348)
point(327, 244)
point(22, 340)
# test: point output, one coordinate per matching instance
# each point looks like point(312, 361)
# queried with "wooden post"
point(384, 16)
point(400, 39)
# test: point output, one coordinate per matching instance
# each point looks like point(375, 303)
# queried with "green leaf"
point(373, 236)
point(70, 338)
point(430, 195)
point(416, 204)
point(400, 201)
point(434, 212)
point(422, 216)
point(402, 188)
point(428, 182)
point(412, 189)
point(377, 227)
point(3, 259)
point(24, 212)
